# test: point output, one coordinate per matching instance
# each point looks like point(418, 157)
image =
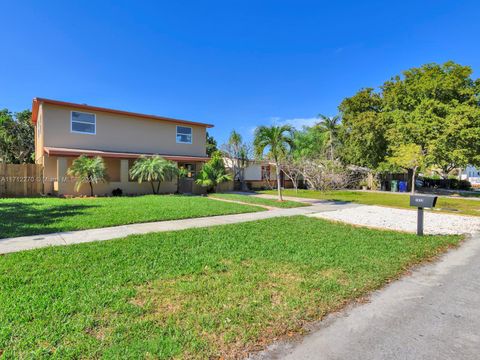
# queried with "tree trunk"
point(158, 187)
point(279, 188)
point(331, 145)
point(91, 188)
point(153, 187)
point(413, 180)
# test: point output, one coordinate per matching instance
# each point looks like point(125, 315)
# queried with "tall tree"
point(329, 126)
point(409, 157)
point(237, 153)
point(277, 142)
point(363, 131)
point(309, 142)
point(17, 144)
point(434, 106)
point(211, 145)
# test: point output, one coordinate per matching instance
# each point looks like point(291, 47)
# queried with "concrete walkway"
point(432, 314)
point(9, 245)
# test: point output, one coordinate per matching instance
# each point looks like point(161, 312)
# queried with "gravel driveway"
point(403, 220)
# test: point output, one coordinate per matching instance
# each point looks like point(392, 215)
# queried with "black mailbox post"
point(421, 202)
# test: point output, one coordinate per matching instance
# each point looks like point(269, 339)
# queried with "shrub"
point(117, 192)
point(453, 184)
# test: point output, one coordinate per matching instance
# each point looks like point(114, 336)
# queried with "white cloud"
point(298, 123)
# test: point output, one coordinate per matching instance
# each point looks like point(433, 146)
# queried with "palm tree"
point(278, 141)
point(237, 151)
point(154, 169)
point(329, 126)
point(87, 168)
point(213, 172)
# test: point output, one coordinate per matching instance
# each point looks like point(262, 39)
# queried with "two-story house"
point(64, 131)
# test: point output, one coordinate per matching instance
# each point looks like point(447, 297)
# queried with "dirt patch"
point(98, 333)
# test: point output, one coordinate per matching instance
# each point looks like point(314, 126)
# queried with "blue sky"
point(236, 64)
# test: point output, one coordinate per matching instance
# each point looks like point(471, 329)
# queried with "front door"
point(185, 185)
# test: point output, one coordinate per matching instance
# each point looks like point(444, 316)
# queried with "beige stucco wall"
point(119, 133)
point(59, 183)
point(39, 135)
point(253, 172)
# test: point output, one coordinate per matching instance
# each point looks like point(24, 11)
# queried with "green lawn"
point(259, 201)
point(198, 293)
point(31, 216)
point(444, 204)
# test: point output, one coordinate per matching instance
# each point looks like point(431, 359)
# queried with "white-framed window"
point(184, 135)
point(83, 123)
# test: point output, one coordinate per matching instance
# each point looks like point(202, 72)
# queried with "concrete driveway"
point(434, 313)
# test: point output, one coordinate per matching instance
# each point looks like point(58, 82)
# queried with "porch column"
point(124, 171)
point(61, 173)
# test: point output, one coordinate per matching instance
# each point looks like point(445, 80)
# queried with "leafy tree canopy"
point(434, 106)
point(211, 144)
point(17, 144)
point(310, 142)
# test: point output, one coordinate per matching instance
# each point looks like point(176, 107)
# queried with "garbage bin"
point(394, 186)
point(402, 186)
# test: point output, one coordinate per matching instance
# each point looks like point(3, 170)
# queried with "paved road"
point(432, 314)
point(9, 245)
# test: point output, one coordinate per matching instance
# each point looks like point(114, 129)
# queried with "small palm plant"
point(213, 172)
point(90, 169)
point(154, 169)
point(278, 142)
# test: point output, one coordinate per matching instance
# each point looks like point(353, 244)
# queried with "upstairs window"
point(184, 135)
point(83, 123)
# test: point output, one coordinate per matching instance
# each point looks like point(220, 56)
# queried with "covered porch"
point(56, 162)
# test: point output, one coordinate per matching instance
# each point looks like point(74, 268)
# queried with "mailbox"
point(423, 201)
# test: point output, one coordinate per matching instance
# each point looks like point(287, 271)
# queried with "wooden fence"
point(20, 179)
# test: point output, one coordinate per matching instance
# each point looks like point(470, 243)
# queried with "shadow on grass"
point(23, 219)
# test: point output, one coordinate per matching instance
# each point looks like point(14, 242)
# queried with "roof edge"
point(37, 101)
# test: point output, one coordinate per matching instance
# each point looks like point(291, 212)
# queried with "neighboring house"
point(261, 174)
point(471, 174)
point(64, 131)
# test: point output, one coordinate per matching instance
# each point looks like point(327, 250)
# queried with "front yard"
point(32, 216)
point(198, 293)
point(444, 204)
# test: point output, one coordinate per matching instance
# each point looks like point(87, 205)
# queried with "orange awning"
point(55, 151)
